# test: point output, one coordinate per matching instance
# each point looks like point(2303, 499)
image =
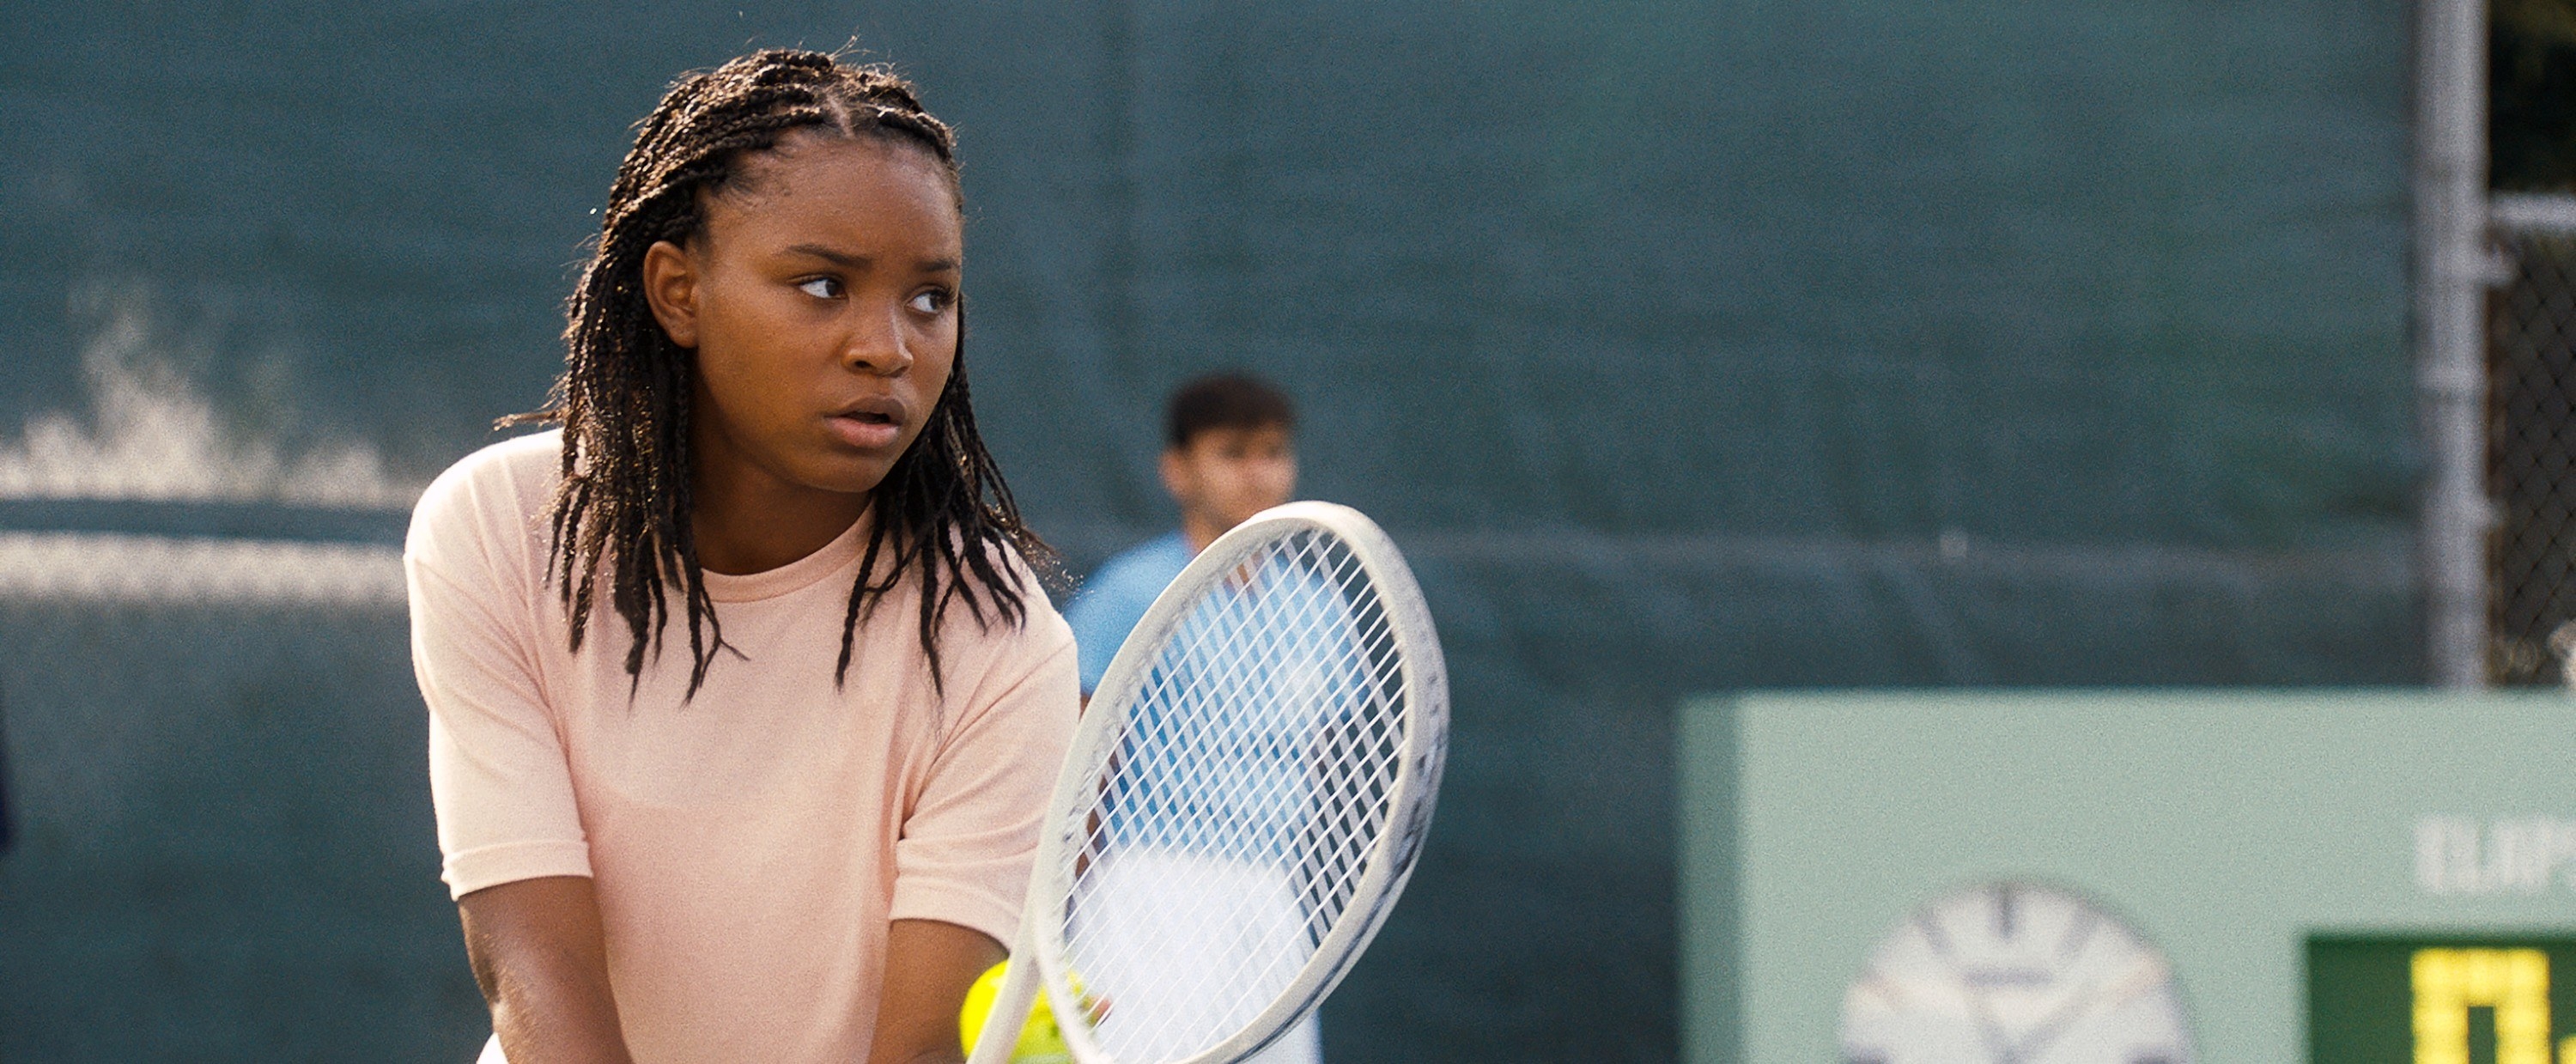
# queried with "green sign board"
point(2419, 999)
point(2342, 877)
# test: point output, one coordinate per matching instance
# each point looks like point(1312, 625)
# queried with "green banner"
point(2417, 999)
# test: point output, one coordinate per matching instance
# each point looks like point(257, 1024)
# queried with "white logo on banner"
point(2463, 856)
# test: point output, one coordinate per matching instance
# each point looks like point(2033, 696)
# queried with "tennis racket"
point(1242, 803)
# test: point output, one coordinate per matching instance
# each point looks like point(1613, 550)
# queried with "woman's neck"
point(752, 532)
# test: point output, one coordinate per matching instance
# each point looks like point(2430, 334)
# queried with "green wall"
point(222, 847)
point(1684, 346)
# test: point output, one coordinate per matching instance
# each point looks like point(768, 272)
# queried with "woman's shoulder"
point(986, 652)
point(1038, 628)
point(502, 491)
point(512, 465)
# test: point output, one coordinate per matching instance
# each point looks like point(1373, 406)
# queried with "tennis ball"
point(1040, 1042)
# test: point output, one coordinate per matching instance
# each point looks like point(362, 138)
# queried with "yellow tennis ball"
point(1040, 1042)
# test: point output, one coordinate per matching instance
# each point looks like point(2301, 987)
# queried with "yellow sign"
point(2513, 982)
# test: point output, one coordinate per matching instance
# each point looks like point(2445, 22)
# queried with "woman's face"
point(821, 298)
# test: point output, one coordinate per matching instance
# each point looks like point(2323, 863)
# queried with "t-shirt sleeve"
point(964, 851)
point(498, 778)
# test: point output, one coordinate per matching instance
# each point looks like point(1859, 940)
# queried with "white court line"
point(173, 571)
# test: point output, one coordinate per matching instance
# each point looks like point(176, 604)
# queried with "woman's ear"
point(671, 286)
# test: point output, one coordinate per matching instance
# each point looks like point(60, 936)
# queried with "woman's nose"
point(876, 344)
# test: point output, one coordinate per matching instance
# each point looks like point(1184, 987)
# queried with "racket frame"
point(1388, 866)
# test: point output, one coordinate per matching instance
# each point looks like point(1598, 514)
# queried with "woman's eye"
point(820, 288)
point(930, 302)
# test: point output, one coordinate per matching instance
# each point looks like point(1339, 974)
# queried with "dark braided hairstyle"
point(623, 401)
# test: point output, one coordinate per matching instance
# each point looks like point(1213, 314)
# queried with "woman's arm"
point(543, 965)
point(929, 967)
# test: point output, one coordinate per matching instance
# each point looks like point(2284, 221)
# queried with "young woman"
point(743, 695)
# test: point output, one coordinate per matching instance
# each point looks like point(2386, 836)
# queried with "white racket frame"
point(1389, 863)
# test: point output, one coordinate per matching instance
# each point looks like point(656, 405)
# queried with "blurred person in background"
point(1229, 452)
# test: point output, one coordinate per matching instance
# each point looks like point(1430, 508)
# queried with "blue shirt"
point(1265, 704)
point(1117, 596)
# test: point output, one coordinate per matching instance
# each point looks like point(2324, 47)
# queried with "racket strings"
point(1234, 822)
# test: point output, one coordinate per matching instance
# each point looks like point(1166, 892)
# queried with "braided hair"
point(941, 512)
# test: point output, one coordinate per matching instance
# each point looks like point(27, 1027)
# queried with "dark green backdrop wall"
point(1686, 346)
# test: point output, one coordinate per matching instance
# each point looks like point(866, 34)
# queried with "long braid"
point(942, 512)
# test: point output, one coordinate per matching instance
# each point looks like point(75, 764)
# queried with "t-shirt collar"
point(840, 554)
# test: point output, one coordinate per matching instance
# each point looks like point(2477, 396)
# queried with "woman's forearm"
point(929, 967)
point(542, 962)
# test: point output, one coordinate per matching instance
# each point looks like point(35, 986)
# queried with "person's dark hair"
point(1225, 401)
point(623, 401)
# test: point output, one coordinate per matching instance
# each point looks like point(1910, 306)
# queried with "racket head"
point(1278, 718)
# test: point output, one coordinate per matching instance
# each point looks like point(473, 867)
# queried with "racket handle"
point(1010, 1011)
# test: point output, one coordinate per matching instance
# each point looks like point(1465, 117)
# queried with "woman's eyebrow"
point(836, 258)
point(860, 262)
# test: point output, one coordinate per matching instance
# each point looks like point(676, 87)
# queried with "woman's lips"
point(865, 432)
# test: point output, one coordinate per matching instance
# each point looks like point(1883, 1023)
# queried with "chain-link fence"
point(2531, 439)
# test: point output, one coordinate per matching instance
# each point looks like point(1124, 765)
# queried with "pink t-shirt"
point(749, 846)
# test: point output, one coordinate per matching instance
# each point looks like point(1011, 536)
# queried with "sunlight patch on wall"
point(150, 433)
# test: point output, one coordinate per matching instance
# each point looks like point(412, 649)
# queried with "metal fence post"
point(2450, 223)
